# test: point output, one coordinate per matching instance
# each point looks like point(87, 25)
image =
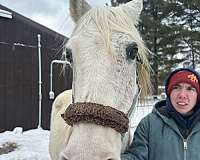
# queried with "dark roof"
point(32, 23)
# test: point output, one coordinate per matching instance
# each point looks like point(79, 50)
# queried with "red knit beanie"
point(183, 77)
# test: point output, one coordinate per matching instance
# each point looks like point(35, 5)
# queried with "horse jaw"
point(78, 8)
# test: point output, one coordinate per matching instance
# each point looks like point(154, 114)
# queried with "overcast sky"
point(50, 13)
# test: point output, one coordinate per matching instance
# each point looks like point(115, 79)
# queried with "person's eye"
point(175, 87)
point(191, 89)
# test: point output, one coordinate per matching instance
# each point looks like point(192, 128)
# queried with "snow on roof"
point(5, 14)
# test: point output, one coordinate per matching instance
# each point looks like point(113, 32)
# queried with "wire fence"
point(141, 110)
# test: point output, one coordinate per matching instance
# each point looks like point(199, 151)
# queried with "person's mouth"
point(182, 103)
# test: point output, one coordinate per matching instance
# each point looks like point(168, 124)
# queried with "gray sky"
point(50, 13)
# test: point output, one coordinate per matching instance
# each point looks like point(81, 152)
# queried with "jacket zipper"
point(185, 147)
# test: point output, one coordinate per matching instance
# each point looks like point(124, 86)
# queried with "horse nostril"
point(113, 158)
point(63, 158)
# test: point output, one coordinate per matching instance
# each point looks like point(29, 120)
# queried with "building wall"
point(19, 99)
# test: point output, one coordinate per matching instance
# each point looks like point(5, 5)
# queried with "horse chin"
point(91, 141)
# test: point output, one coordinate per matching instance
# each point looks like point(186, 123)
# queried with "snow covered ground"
point(33, 144)
point(139, 113)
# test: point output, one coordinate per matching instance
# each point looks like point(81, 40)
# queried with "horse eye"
point(131, 51)
point(69, 55)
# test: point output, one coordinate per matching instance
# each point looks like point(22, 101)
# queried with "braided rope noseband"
point(98, 114)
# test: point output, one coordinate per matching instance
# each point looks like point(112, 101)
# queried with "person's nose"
point(182, 94)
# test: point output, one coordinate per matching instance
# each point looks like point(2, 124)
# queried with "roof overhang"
point(5, 14)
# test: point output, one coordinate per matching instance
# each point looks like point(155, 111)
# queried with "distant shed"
point(19, 98)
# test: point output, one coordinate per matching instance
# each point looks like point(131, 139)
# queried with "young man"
point(172, 130)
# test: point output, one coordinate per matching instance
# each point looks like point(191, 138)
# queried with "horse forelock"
point(107, 20)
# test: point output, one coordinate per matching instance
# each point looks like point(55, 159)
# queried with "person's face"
point(183, 97)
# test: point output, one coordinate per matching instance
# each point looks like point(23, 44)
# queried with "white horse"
point(109, 67)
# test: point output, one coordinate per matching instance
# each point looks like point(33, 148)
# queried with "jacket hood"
point(160, 107)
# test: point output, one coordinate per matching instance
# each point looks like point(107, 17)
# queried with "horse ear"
point(78, 8)
point(133, 9)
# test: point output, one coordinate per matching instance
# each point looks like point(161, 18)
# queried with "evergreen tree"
point(187, 16)
point(170, 28)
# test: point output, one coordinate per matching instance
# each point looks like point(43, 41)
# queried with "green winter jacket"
point(157, 137)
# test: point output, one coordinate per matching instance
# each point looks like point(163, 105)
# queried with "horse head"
point(109, 67)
